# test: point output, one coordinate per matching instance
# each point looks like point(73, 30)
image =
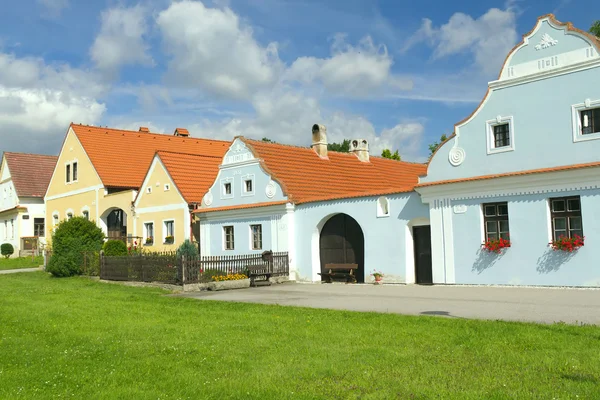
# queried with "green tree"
point(266, 139)
point(114, 248)
point(7, 250)
point(343, 147)
point(187, 249)
point(595, 29)
point(70, 241)
point(434, 146)
point(386, 153)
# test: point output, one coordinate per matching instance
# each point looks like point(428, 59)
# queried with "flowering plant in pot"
point(378, 275)
point(496, 245)
point(169, 239)
point(149, 240)
point(568, 244)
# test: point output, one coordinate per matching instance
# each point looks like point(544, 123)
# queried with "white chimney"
point(360, 147)
point(319, 140)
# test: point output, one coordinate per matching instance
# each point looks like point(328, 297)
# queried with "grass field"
point(76, 338)
point(20, 262)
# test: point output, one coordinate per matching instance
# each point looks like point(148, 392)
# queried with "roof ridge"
point(29, 154)
point(150, 133)
point(186, 154)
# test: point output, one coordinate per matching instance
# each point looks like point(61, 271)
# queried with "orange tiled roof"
point(121, 157)
point(240, 207)
point(193, 174)
point(305, 177)
point(31, 173)
point(507, 174)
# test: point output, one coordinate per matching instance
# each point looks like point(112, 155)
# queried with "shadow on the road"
point(440, 313)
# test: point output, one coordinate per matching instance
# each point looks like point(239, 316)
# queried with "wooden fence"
point(169, 268)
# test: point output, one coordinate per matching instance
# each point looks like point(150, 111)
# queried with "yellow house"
point(100, 170)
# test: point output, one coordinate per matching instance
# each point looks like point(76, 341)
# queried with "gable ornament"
point(456, 156)
point(546, 42)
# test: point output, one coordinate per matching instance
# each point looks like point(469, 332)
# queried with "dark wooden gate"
point(115, 225)
point(423, 265)
point(342, 242)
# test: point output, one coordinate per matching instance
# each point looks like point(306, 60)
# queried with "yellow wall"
point(158, 177)
point(181, 229)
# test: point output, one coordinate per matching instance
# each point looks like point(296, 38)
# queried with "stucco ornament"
point(208, 199)
point(546, 42)
point(271, 189)
point(456, 156)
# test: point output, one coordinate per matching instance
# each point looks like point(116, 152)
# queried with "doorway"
point(422, 249)
point(342, 242)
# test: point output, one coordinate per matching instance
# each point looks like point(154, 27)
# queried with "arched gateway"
point(342, 242)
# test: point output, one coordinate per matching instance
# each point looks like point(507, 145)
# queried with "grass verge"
point(20, 262)
point(79, 338)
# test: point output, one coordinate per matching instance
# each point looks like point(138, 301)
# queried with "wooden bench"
point(255, 271)
point(340, 271)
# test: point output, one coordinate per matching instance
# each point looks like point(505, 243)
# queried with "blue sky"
point(397, 73)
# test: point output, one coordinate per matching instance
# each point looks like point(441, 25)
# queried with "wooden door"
point(422, 247)
point(342, 242)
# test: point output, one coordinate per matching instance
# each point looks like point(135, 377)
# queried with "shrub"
point(115, 248)
point(7, 250)
point(187, 249)
point(209, 274)
point(70, 241)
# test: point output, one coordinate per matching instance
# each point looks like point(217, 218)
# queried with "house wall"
point(8, 195)
point(9, 229)
point(388, 240)
point(180, 216)
point(530, 260)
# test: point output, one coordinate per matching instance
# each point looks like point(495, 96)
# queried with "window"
point(590, 121)
point(68, 173)
point(5, 229)
point(501, 136)
point(12, 228)
point(75, 171)
point(383, 207)
point(495, 217)
point(229, 240)
point(167, 187)
point(149, 189)
point(248, 185)
point(169, 230)
point(227, 188)
point(54, 220)
point(25, 217)
point(38, 227)
point(69, 215)
point(149, 232)
point(566, 217)
point(85, 214)
point(256, 234)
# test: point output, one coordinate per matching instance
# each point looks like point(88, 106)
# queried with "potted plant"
point(378, 276)
point(169, 239)
point(567, 244)
point(496, 245)
point(149, 240)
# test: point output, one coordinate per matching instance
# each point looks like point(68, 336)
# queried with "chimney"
point(319, 140)
point(181, 132)
point(144, 129)
point(360, 147)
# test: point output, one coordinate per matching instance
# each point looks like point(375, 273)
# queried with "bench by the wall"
point(339, 271)
point(256, 271)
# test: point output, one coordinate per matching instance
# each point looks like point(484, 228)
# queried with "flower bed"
point(496, 245)
point(229, 281)
point(564, 243)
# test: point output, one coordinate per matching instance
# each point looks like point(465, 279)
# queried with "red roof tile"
point(31, 173)
point(240, 207)
point(122, 158)
point(193, 174)
point(306, 177)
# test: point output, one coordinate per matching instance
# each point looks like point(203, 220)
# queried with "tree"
point(595, 29)
point(434, 146)
point(386, 153)
point(7, 250)
point(343, 147)
point(265, 139)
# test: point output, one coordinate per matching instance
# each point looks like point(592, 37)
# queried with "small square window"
point(167, 187)
point(149, 189)
point(501, 136)
point(86, 214)
point(590, 121)
point(496, 221)
point(248, 185)
point(227, 188)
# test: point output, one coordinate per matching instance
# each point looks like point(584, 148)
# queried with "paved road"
point(14, 271)
point(545, 305)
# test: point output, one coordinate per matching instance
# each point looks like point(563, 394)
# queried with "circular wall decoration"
point(271, 189)
point(208, 199)
point(456, 156)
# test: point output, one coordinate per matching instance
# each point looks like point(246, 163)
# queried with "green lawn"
point(82, 339)
point(20, 262)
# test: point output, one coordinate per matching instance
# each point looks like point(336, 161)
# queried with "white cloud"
point(121, 40)
point(55, 7)
point(351, 70)
point(213, 51)
point(488, 38)
point(38, 101)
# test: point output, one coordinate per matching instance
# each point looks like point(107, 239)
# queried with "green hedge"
point(7, 250)
point(115, 248)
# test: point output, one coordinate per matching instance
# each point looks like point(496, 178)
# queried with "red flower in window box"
point(496, 245)
point(564, 243)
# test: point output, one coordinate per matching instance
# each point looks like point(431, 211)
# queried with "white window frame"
point(70, 175)
point(164, 232)
point(55, 221)
point(222, 188)
point(153, 232)
point(380, 213)
point(69, 211)
point(167, 187)
point(248, 177)
point(73, 180)
point(225, 237)
point(84, 210)
point(489, 129)
point(149, 190)
point(576, 110)
point(252, 237)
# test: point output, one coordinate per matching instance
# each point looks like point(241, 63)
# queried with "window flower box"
point(496, 245)
point(229, 281)
point(149, 241)
point(169, 240)
point(567, 244)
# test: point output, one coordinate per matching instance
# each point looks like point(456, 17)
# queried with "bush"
point(70, 241)
point(187, 249)
point(7, 250)
point(115, 248)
